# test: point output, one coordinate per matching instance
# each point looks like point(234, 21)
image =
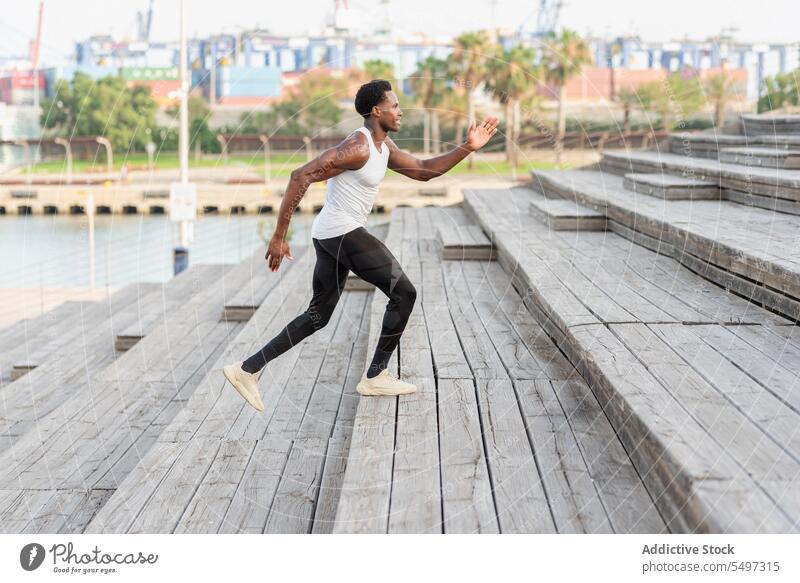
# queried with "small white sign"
point(182, 202)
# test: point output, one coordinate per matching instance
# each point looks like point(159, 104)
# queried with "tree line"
point(442, 91)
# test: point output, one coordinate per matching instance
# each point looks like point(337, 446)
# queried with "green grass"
point(282, 165)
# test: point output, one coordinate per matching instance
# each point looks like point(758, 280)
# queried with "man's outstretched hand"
point(477, 136)
point(278, 248)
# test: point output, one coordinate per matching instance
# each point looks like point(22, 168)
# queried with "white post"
point(183, 135)
point(68, 149)
point(109, 154)
point(267, 159)
point(224, 145)
point(151, 150)
point(90, 214)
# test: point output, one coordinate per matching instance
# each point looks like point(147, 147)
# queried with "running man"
point(353, 169)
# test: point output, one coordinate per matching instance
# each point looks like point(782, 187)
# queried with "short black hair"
point(371, 94)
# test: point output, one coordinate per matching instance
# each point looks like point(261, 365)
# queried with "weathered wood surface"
point(146, 388)
point(463, 242)
point(566, 215)
point(761, 157)
point(364, 503)
point(755, 245)
point(259, 472)
point(766, 182)
point(713, 443)
point(758, 125)
point(69, 377)
point(31, 343)
point(477, 373)
point(671, 187)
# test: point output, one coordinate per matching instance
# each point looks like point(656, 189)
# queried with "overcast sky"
point(66, 21)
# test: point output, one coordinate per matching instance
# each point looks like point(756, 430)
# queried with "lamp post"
point(183, 196)
point(109, 153)
point(224, 145)
point(267, 159)
point(68, 150)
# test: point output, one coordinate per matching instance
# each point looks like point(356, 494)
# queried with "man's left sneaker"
point(385, 384)
point(245, 383)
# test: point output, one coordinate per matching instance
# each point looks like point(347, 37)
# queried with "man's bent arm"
point(424, 170)
point(351, 154)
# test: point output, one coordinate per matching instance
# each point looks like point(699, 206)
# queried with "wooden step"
point(175, 293)
point(762, 187)
point(64, 329)
point(457, 456)
point(560, 214)
point(783, 142)
point(761, 157)
point(221, 466)
point(715, 445)
point(671, 187)
point(743, 249)
point(464, 242)
point(760, 125)
point(705, 144)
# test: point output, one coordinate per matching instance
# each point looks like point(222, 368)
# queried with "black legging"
point(366, 256)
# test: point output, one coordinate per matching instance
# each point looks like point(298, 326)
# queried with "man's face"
point(390, 114)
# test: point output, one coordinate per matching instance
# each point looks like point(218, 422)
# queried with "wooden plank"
point(53, 517)
point(364, 502)
point(575, 502)
point(20, 512)
point(416, 485)
point(210, 502)
point(704, 347)
point(742, 440)
point(671, 187)
point(119, 512)
point(292, 509)
point(565, 215)
point(671, 451)
point(468, 504)
point(520, 497)
point(330, 488)
point(464, 242)
point(88, 508)
point(167, 504)
point(248, 510)
point(625, 498)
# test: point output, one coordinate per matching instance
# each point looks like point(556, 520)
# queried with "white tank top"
point(349, 195)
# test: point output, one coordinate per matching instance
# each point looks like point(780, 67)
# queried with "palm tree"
point(565, 56)
point(510, 78)
point(720, 89)
point(467, 63)
point(428, 83)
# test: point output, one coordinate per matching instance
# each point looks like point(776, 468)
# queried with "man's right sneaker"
point(245, 383)
point(384, 383)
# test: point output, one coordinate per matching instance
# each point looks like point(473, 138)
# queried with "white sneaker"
point(384, 383)
point(245, 383)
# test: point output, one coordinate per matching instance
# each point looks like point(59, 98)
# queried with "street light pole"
point(68, 149)
point(181, 253)
point(267, 160)
point(109, 155)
